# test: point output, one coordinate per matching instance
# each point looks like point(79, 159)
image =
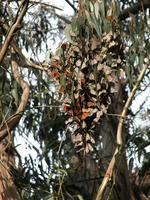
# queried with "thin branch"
point(45, 4)
point(12, 121)
point(72, 6)
point(19, 17)
point(67, 21)
point(25, 61)
point(117, 153)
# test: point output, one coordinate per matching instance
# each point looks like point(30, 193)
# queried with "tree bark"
point(88, 174)
point(8, 189)
point(119, 186)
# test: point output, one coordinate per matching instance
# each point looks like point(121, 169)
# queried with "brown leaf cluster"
point(91, 70)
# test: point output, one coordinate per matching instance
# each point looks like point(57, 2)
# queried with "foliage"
point(47, 176)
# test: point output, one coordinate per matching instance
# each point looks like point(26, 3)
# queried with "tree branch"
point(12, 121)
point(45, 4)
point(135, 9)
point(117, 153)
point(67, 21)
point(19, 17)
point(72, 6)
point(25, 61)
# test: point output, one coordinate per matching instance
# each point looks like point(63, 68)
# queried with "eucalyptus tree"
point(75, 103)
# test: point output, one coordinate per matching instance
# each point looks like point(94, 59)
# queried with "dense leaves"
point(88, 74)
point(83, 76)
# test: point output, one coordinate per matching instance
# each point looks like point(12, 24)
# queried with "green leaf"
point(68, 32)
point(59, 52)
point(62, 79)
point(96, 9)
point(141, 60)
point(80, 197)
point(96, 25)
point(74, 24)
point(102, 9)
point(89, 18)
point(107, 26)
point(91, 7)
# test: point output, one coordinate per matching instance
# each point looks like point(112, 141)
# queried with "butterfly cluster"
point(88, 73)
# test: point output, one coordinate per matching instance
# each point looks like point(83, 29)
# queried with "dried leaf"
point(76, 49)
point(90, 138)
point(88, 148)
point(90, 103)
point(91, 111)
point(112, 43)
point(92, 91)
point(98, 86)
point(77, 137)
point(98, 57)
point(78, 144)
point(94, 44)
point(91, 77)
point(61, 89)
point(103, 108)
point(76, 95)
point(84, 115)
point(100, 67)
point(55, 74)
point(68, 73)
point(84, 124)
point(69, 120)
point(78, 63)
point(118, 60)
point(83, 65)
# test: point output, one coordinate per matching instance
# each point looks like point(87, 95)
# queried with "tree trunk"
point(8, 189)
point(88, 174)
point(119, 186)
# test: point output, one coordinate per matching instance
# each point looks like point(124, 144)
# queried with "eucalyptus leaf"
point(102, 9)
point(62, 79)
point(91, 7)
point(141, 60)
point(96, 25)
point(75, 24)
point(59, 52)
point(96, 9)
point(80, 197)
point(67, 33)
point(89, 18)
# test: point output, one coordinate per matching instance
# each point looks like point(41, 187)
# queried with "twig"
point(72, 6)
point(45, 4)
point(25, 61)
point(12, 121)
point(67, 21)
point(116, 155)
point(19, 17)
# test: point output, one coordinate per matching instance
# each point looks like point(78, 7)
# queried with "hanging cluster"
point(88, 73)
